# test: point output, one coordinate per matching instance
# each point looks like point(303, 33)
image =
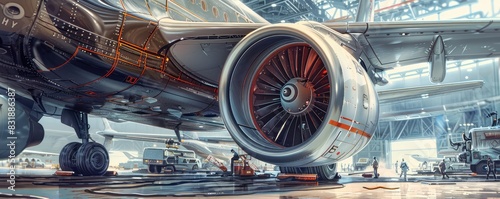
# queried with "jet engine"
point(17, 129)
point(290, 95)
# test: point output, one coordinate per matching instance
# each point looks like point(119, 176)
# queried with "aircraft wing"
point(31, 152)
point(145, 137)
point(196, 145)
point(383, 45)
point(387, 96)
point(162, 138)
point(388, 44)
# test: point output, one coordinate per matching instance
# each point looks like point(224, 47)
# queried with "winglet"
point(108, 142)
point(107, 127)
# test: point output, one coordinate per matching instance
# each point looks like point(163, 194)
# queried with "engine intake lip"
point(238, 83)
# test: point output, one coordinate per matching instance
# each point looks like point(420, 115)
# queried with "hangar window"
point(408, 148)
point(204, 5)
point(215, 11)
point(226, 18)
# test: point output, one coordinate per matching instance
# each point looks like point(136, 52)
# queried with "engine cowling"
point(290, 95)
point(25, 131)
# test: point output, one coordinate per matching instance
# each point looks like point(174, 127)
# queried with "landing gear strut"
point(86, 158)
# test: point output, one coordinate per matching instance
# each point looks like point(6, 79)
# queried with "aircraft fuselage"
point(107, 58)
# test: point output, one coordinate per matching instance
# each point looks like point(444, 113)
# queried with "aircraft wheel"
point(92, 159)
point(67, 157)
point(152, 169)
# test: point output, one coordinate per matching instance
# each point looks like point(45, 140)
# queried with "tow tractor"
point(244, 168)
point(241, 167)
point(214, 161)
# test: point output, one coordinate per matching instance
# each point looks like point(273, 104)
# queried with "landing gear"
point(86, 158)
point(92, 159)
point(325, 172)
point(67, 157)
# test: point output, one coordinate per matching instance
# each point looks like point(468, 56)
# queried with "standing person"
point(491, 168)
point(235, 157)
point(396, 166)
point(404, 169)
point(442, 168)
point(375, 167)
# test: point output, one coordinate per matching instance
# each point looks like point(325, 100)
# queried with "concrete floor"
point(39, 183)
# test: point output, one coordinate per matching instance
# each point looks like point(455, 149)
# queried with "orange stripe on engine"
point(350, 129)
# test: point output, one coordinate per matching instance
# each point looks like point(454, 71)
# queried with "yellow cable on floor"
point(381, 187)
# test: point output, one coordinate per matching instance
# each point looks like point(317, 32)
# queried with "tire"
point(159, 169)
point(195, 167)
point(173, 169)
point(325, 172)
point(482, 168)
point(67, 157)
point(152, 168)
point(92, 159)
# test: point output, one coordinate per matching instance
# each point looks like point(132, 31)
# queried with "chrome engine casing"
point(350, 119)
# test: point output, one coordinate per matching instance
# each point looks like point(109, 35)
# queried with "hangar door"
point(406, 148)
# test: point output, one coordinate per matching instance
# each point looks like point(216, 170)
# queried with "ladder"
point(214, 161)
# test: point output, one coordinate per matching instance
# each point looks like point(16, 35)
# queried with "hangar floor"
point(40, 183)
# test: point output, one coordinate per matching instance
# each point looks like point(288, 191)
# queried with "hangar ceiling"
point(277, 11)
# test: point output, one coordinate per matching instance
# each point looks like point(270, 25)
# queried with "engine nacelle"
point(290, 95)
point(17, 129)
